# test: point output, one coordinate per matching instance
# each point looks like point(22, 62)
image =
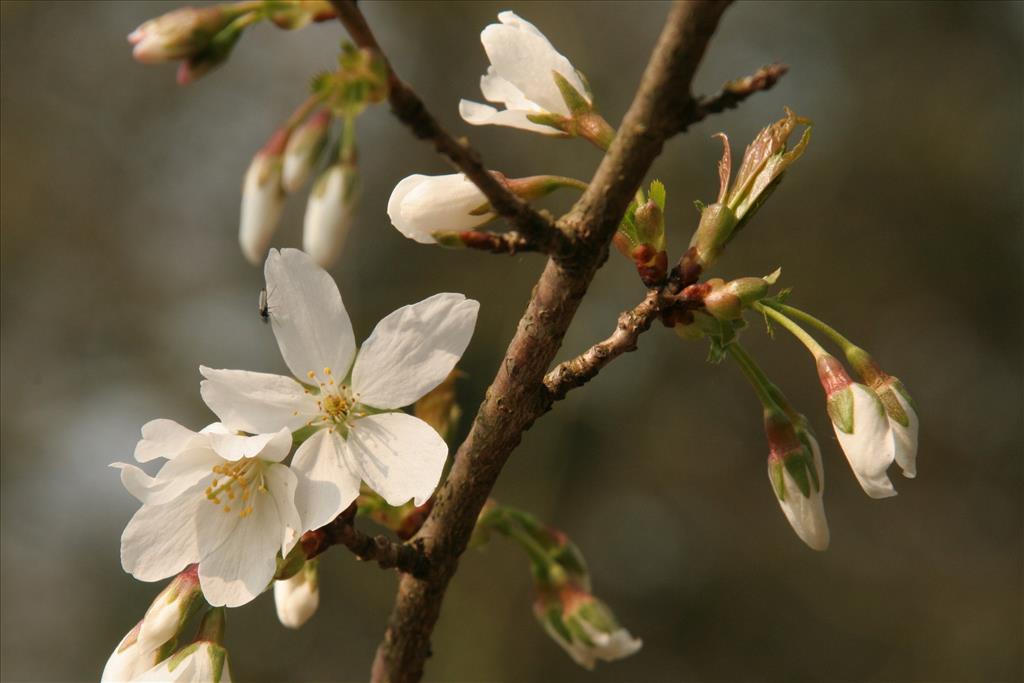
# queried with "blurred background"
point(902, 225)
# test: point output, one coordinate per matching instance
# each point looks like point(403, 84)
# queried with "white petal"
point(806, 514)
point(173, 479)
point(398, 456)
point(905, 438)
point(282, 484)
point(238, 555)
point(870, 448)
point(482, 115)
point(273, 447)
point(422, 205)
point(329, 215)
point(611, 646)
point(262, 203)
point(313, 329)
point(413, 349)
point(162, 439)
point(326, 484)
point(497, 89)
point(523, 56)
point(160, 540)
point(256, 402)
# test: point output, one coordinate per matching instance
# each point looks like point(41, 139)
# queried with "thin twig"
point(510, 242)
point(577, 371)
point(734, 92)
point(408, 558)
point(411, 111)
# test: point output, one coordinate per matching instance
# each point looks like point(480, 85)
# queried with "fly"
point(264, 306)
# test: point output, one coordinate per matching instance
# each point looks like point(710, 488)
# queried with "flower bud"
point(129, 659)
point(179, 34)
point(171, 608)
point(298, 597)
point(861, 426)
point(200, 662)
point(583, 626)
point(303, 149)
point(797, 477)
point(422, 205)
point(329, 213)
point(262, 199)
point(899, 407)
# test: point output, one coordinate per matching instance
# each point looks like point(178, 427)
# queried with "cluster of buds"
point(201, 38)
point(294, 152)
point(641, 235)
point(874, 420)
point(565, 607)
point(149, 652)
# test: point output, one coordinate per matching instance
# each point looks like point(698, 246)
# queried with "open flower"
point(529, 77)
point(421, 205)
point(357, 435)
point(862, 427)
point(222, 501)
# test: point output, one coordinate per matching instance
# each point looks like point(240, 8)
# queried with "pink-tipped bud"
point(861, 426)
point(583, 626)
point(329, 213)
point(179, 34)
point(262, 199)
point(797, 478)
point(303, 150)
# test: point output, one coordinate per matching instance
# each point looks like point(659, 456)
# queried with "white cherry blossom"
point(421, 205)
point(356, 436)
point(223, 501)
point(521, 78)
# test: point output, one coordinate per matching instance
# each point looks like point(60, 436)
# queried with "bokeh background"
point(902, 225)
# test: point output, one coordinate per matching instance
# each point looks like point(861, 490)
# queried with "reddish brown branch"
point(405, 557)
point(410, 110)
point(517, 396)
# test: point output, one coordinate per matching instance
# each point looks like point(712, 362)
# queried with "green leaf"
point(700, 205)
point(657, 193)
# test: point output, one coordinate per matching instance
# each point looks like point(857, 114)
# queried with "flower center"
point(236, 483)
point(336, 404)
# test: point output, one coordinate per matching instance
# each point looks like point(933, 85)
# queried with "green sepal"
point(301, 434)
point(547, 119)
point(573, 98)
point(775, 474)
point(287, 567)
point(812, 467)
point(796, 465)
point(840, 409)
point(892, 407)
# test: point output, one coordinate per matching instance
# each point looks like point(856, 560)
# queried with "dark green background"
point(902, 225)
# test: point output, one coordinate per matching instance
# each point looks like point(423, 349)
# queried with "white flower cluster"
point(226, 500)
